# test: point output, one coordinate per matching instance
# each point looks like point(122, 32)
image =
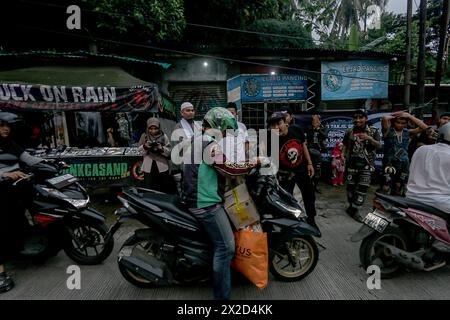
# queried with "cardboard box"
point(240, 207)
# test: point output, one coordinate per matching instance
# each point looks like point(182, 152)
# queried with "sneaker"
point(6, 283)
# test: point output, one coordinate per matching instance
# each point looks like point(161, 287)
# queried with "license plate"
point(375, 221)
point(62, 181)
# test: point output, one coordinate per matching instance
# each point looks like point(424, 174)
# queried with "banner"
point(101, 167)
point(262, 87)
point(66, 98)
point(358, 79)
point(336, 124)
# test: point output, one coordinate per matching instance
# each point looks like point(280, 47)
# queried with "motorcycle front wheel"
point(87, 244)
point(294, 259)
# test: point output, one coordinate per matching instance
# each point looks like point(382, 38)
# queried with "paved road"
point(337, 275)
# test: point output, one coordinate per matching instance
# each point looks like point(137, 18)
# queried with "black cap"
point(445, 114)
point(361, 112)
point(286, 109)
point(276, 116)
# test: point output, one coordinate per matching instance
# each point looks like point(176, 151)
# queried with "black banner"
point(77, 98)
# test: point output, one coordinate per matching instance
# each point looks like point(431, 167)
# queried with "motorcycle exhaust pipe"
point(150, 269)
point(411, 260)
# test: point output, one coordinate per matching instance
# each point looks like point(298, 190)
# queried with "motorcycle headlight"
point(295, 211)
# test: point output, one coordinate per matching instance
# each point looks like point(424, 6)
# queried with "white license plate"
point(375, 221)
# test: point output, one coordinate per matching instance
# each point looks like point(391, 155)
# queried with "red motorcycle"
point(403, 233)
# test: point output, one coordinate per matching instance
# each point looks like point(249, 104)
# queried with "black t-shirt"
point(9, 146)
point(291, 156)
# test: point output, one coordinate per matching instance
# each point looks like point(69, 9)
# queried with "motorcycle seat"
point(414, 204)
point(170, 203)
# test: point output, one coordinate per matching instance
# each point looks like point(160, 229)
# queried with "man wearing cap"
point(181, 137)
point(295, 166)
point(187, 123)
point(360, 145)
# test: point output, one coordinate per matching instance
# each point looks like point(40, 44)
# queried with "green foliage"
point(287, 28)
point(142, 21)
point(353, 42)
point(269, 16)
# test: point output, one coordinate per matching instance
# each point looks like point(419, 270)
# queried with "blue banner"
point(357, 79)
point(261, 88)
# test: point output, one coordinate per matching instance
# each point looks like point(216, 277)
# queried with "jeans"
point(219, 230)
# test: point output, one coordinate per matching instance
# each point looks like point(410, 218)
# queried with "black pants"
point(305, 184)
point(358, 182)
point(159, 181)
point(316, 158)
point(13, 201)
point(395, 184)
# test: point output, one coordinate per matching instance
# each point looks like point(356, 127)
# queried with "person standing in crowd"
point(427, 136)
point(13, 198)
point(360, 145)
point(315, 137)
point(396, 138)
point(289, 115)
point(429, 181)
point(204, 173)
point(187, 123)
point(295, 166)
point(236, 146)
point(337, 165)
point(155, 147)
point(181, 137)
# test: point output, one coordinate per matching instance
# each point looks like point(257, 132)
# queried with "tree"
point(288, 28)
point(141, 21)
point(265, 16)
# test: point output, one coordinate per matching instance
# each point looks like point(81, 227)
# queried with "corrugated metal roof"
point(81, 55)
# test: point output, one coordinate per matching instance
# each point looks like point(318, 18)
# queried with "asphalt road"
point(337, 275)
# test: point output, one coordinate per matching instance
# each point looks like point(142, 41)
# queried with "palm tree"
point(352, 12)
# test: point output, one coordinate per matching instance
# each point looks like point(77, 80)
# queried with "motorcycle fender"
point(363, 232)
point(91, 215)
point(304, 229)
point(286, 228)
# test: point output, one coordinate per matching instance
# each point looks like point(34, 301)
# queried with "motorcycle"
point(403, 233)
point(59, 217)
point(174, 248)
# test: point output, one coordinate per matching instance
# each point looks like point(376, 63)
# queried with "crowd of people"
point(299, 153)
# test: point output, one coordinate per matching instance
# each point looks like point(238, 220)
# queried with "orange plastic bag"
point(252, 256)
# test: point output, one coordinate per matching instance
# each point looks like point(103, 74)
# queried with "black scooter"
point(59, 218)
point(174, 249)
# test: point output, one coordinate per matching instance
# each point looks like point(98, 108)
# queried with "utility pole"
point(440, 56)
point(407, 96)
point(421, 58)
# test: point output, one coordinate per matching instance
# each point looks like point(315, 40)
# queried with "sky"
point(399, 6)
